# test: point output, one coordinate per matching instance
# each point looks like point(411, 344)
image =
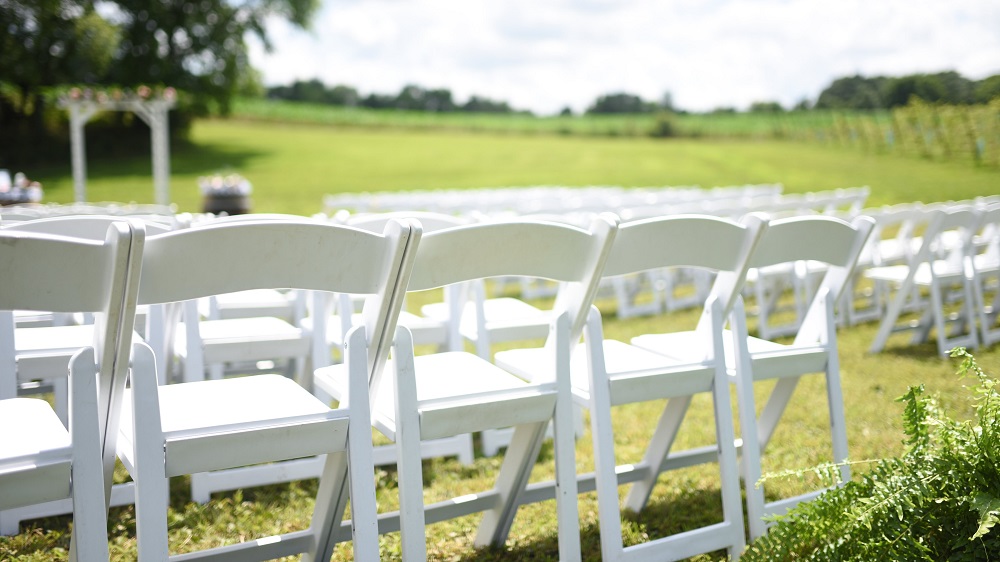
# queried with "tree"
point(987, 89)
point(853, 92)
point(45, 43)
point(312, 91)
point(197, 47)
point(479, 104)
point(620, 103)
point(766, 107)
point(438, 100)
point(343, 95)
point(898, 91)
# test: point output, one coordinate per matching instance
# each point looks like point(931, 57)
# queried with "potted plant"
point(225, 193)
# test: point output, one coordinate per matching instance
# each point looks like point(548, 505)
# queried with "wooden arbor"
point(151, 108)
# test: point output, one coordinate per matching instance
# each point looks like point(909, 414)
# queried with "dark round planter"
point(9, 202)
point(229, 204)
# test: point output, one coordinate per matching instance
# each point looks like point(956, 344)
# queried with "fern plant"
point(939, 501)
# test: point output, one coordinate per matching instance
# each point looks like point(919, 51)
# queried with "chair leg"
point(838, 421)
point(892, 313)
point(609, 513)
point(729, 478)
point(357, 465)
point(659, 446)
point(89, 540)
point(152, 487)
point(331, 501)
point(412, 522)
point(750, 431)
point(523, 449)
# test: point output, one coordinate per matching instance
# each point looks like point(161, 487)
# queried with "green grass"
point(739, 125)
point(293, 166)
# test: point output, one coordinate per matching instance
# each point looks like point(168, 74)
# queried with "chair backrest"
point(829, 240)
point(953, 234)
point(243, 255)
point(91, 227)
point(554, 251)
point(987, 242)
point(429, 221)
point(699, 241)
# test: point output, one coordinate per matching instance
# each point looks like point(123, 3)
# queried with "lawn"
point(292, 166)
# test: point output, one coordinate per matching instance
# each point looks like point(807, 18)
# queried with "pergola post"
point(79, 114)
point(155, 115)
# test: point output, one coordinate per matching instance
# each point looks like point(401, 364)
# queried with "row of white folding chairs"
point(536, 199)
point(941, 266)
point(16, 213)
point(670, 290)
point(479, 251)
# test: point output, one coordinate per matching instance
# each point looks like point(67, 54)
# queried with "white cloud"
point(543, 55)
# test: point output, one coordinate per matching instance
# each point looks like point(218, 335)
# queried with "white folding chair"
point(893, 241)
point(40, 353)
point(484, 320)
point(986, 273)
point(41, 461)
point(620, 373)
point(940, 266)
point(240, 422)
point(836, 244)
point(439, 332)
point(44, 350)
point(451, 393)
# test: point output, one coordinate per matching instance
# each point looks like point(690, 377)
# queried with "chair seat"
point(522, 319)
point(625, 365)
point(254, 303)
point(42, 436)
point(246, 338)
point(986, 263)
point(769, 359)
point(53, 339)
point(897, 273)
point(893, 250)
point(440, 378)
point(424, 330)
point(232, 402)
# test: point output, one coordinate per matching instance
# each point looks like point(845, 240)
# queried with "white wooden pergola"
point(152, 109)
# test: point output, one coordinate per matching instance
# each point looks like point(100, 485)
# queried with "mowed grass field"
point(292, 166)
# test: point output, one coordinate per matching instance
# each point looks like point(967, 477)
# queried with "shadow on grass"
point(186, 158)
point(663, 517)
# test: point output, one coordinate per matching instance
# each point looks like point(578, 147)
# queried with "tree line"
point(887, 92)
point(417, 98)
point(411, 97)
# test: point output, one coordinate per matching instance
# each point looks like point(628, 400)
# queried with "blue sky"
point(544, 55)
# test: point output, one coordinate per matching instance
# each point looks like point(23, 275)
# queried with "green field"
point(293, 165)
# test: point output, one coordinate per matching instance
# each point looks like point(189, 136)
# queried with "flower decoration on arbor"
point(144, 93)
